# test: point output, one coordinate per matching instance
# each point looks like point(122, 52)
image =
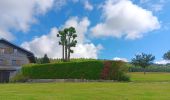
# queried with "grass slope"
point(152, 86)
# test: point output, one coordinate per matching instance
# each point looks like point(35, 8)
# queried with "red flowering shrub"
point(115, 70)
point(106, 69)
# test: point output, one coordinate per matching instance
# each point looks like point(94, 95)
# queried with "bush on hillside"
point(19, 77)
point(115, 70)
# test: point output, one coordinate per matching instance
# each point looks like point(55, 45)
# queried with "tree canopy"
point(45, 59)
point(67, 40)
point(143, 60)
point(166, 56)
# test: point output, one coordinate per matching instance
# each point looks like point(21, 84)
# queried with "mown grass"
point(150, 77)
point(152, 86)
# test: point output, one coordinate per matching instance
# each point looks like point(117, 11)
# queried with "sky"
point(107, 29)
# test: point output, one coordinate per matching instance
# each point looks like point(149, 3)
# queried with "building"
point(12, 57)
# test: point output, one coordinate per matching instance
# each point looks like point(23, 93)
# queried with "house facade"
point(12, 57)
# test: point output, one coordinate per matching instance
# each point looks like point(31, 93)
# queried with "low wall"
point(65, 80)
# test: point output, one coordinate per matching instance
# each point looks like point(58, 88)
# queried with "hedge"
point(91, 70)
point(65, 70)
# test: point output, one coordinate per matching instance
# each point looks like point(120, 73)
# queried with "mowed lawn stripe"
point(150, 77)
point(135, 90)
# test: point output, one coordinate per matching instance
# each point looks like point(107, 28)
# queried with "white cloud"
point(86, 50)
point(80, 25)
point(163, 62)
point(4, 33)
point(44, 44)
point(88, 6)
point(122, 59)
point(153, 5)
point(59, 4)
point(123, 18)
point(20, 14)
point(49, 43)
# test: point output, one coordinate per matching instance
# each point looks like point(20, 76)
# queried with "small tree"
point(166, 56)
point(143, 60)
point(38, 60)
point(45, 59)
point(67, 40)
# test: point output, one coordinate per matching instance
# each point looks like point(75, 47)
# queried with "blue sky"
point(108, 29)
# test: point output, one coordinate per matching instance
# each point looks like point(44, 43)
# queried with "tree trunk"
point(63, 52)
point(144, 70)
point(69, 53)
point(69, 49)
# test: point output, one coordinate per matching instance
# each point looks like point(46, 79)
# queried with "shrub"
point(115, 70)
point(106, 70)
point(19, 77)
point(64, 70)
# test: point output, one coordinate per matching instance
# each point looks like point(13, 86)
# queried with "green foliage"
point(90, 69)
point(45, 59)
point(19, 77)
point(64, 70)
point(42, 60)
point(166, 56)
point(143, 60)
point(38, 60)
point(67, 40)
point(57, 60)
point(117, 71)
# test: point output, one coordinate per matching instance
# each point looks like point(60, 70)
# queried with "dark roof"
point(29, 54)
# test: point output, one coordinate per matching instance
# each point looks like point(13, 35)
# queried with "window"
point(16, 62)
point(5, 62)
point(2, 50)
point(15, 51)
point(8, 50)
point(1, 61)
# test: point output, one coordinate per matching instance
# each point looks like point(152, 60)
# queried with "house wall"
point(10, 56)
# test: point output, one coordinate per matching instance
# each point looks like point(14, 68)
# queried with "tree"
point(38, 60)
point(166, 56)
point(71, 40)
point(62, 36)
point(45, 59)
point(143, 60)
point(67, 40)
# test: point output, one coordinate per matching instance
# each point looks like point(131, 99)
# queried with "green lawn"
point(150, 77)
point(152, 86)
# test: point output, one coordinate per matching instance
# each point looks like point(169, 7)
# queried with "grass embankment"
point(152, 86)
